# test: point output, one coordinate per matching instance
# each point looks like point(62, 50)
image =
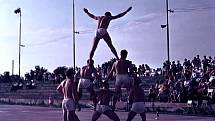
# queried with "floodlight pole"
point(12, 67)
point(20, 31)
point(18, 11)
point(167, 25)
point(73, 33)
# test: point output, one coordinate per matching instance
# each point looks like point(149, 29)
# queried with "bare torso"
point(87, 71)
point(137, 93)
point(104, 96)
point(103, 22)
point(67, 88)
point(121, 66)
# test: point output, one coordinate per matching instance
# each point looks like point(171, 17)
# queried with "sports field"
point(32, 113)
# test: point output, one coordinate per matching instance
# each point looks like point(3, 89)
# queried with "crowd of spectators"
point(182, 81)
point(191, 80)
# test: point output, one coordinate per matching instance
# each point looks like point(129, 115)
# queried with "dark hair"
point(90, 61)
point(70, 72)
point(107, 13)
point(124, 53)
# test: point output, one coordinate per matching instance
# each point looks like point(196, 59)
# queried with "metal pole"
point(167, 20)
point(73, 34)
point(20, 25)
point(12, 67)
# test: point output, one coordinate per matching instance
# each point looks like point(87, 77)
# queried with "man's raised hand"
point(85, 10)
point(129, 9)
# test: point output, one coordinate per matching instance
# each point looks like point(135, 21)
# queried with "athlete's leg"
point(112, 115)
point(92, 96)
point(107, 39)
point(96, 115)
point(71, 116)
point(143, 116)
point(65, 115)
point(95, 44)
point(131, 115)
point(117, 96)
point(76, 118)
point(79, 91)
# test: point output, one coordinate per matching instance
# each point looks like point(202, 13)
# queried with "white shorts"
point(138, 107)
point(84, 83)
point(68, 104)
point(102, 108)
point(123, 80)
point(101, 32)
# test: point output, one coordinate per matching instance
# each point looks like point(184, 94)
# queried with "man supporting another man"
point(104, 96)
point(121, 68)
point(86, 80)
point(137, 99)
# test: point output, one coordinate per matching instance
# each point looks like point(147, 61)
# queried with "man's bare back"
point(101, 33)
point(103, 22)
point(68, 88)
point(121, 66)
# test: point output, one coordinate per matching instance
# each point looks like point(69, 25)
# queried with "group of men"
point(101, 99)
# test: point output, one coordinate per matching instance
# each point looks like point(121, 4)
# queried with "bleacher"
point(5, 87)
point(44, 91)
point(37, 96)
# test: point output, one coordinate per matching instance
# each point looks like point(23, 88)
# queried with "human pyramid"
point(101, 99)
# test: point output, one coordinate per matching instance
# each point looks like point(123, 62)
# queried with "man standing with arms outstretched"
point(68, 90)
point(121, 67)
point(101, 32)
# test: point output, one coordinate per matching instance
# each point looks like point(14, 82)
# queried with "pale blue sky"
point(47, 31)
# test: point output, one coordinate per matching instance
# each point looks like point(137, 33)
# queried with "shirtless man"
point(101, 33)
point(137, 99)
point(121, 68)
point(86, 80)
point(104, 96)
point(68, 90)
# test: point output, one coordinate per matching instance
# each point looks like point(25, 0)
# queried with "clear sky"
point(47, 31)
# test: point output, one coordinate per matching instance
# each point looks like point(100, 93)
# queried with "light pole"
point(12, 67)
point(74, 32)
point(167, 23)
point(73, 7)
point(167, 26)
point(18, 11)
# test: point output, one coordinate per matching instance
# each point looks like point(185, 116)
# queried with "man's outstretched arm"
point(90, 14)
point(59, 89)
point(122, 14)
point(111, 72)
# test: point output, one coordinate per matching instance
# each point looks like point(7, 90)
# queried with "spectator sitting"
point(164, 93)
point(31, 85)
point(152, 94)
point(16, 86)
